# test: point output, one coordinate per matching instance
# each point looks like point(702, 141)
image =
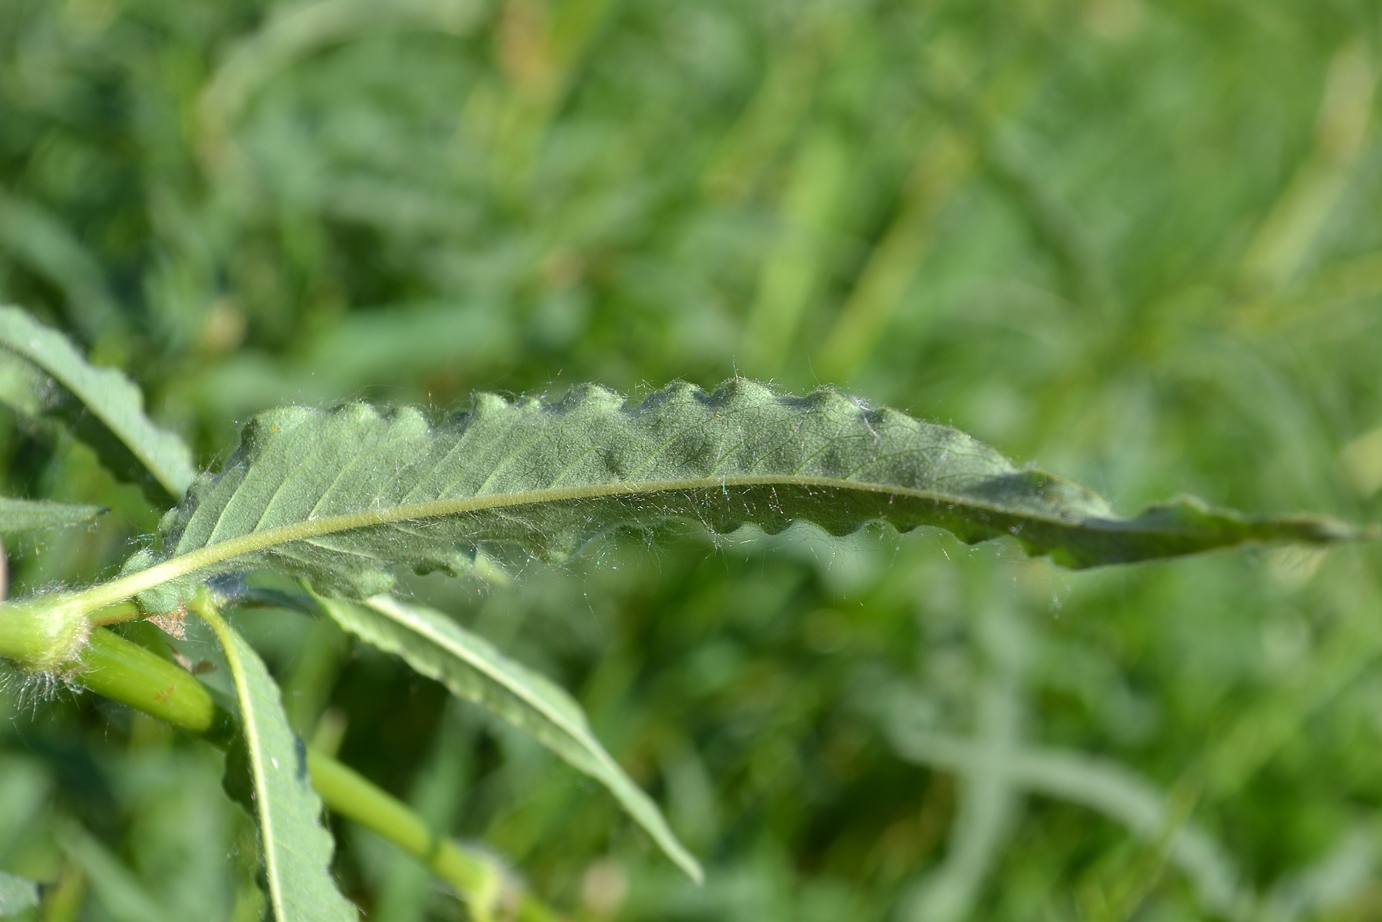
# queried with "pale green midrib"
point(250, 727)
point(126, 587)
point(577, 731)
point(520, 691)
point(574, 730)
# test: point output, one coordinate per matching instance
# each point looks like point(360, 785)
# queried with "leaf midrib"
point(594, 759)
point(519, 690)
point(129, 586)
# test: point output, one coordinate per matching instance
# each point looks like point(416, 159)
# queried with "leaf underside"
point(470, 667)
point(297, 848)
point(44, 378)
point(342, 497)
point(29, 514)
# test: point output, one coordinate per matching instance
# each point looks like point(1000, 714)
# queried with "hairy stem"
point(123, 671)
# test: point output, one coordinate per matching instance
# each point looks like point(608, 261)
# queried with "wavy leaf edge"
point(679, 452)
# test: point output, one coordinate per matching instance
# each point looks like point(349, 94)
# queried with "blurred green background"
point(1138, 244)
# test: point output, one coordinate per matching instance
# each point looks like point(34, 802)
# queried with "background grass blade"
point(16, 894)
point(27, 514)
point(120, 892)
point(43, 376)
point(297, 849)
point(1103, 785)
point(468, 665)
point(343, 497)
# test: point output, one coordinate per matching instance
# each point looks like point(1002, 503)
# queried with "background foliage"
point(1138, 244)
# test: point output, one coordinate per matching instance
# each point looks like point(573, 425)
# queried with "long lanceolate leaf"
point(472, 668)
point(342, 497)
point(297, 849)
point(42, 376)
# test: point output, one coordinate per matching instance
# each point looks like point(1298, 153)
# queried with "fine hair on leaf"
point(343, 497)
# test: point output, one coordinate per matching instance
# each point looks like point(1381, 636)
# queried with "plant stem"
point(480, 878)
point(115, 614)
point(123, 671)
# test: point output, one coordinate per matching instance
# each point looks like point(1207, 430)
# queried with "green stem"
point(479, 878)
point(116, 614)
point(123, 671)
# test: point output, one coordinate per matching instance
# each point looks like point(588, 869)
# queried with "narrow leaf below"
point(297, 848)
point(119, 891)
point(43, 377)
point(468, 665)
point(29, 514)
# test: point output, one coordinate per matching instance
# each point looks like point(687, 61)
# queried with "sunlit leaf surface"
point(343, 497)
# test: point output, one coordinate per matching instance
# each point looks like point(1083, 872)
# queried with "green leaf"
point(297, 848)
point(42, 376)
point(470, 667)
point(28, 514)
point(342, 497)
point(16, 894)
